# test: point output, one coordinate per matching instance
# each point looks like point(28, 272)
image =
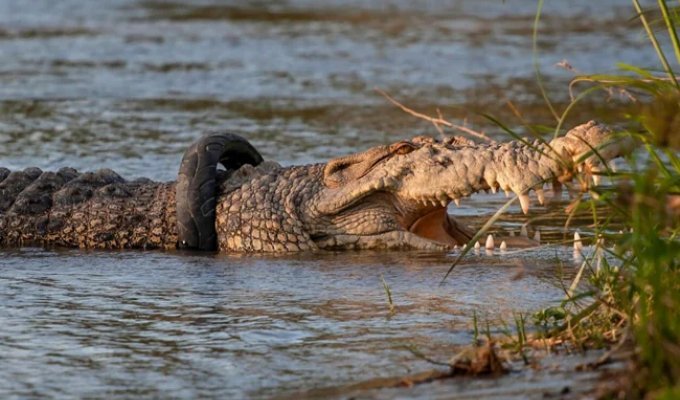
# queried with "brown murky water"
point(129, 84)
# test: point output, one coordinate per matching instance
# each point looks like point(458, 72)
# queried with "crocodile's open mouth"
point(439, 226)
point(429, 218)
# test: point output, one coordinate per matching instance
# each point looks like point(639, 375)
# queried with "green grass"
point(388, 293)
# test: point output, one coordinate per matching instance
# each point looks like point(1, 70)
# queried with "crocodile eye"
point(401, 148)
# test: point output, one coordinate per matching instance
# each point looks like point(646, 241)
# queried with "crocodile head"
point(396, 196)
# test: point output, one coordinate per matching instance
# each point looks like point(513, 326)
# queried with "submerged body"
point(391, 196)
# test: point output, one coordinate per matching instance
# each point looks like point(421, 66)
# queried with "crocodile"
point(227, 198)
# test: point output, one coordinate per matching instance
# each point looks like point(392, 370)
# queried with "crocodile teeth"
point(503, 246)
point(457, 201)
point(596, 180)
point(537, 236)
point(489, 243)
point(443, 199)
point(493, 185)
point(578, 245)
point(507, 192)
point(524, 202)
point(523, 231)
point(612, 165)
point(541, 196)
point(477, 245)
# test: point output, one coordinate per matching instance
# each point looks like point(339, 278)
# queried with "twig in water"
point(437, 122)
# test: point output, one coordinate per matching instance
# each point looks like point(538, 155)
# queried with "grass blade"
point(671, 28)
point(655, 43)
point(478, 235)
point(537, 69)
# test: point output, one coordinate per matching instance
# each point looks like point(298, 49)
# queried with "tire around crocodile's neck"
point(196, 190)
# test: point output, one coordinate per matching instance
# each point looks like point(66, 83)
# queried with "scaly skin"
point(90, 210)
point(387, 197)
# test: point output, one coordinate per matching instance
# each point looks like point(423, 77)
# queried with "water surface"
point(80, 323)
point(129, 84)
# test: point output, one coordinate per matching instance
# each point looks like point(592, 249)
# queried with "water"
point(129, 84)
point(147, 323)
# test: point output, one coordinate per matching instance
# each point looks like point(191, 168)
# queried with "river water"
point(129, 84)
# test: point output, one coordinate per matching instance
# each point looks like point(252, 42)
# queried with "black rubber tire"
point(196, 191)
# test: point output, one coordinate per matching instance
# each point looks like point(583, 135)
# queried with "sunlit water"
point(129, 84)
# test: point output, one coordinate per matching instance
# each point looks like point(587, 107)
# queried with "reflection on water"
point(128, 84)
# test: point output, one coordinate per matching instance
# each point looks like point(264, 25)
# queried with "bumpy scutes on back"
point(94, 210)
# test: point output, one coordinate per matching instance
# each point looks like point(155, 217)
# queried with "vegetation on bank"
point(628, 291)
